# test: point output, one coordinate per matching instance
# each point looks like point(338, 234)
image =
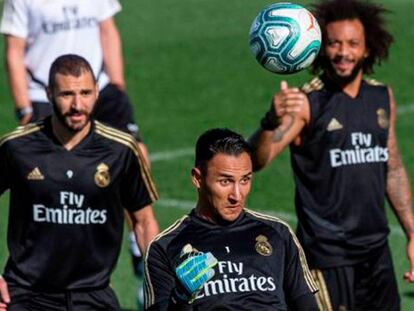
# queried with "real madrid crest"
point(262, 246)
point(383, 120)
point(102, 177)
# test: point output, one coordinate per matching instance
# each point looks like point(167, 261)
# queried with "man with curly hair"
point(341, 130)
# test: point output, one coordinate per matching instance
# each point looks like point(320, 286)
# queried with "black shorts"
point(23, 299)
point(369, 285)
point(113, 108)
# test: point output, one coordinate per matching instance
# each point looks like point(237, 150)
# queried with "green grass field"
point(189, 68)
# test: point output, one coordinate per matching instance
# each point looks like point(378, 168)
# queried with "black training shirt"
point(340, 174)
point(66, 207)
point(261, 265)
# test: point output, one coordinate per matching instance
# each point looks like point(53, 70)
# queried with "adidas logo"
point(36, 174)
point(334, 125)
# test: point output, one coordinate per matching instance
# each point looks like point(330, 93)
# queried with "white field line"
point(291, 217)
point(184, 152)
point(405, 109)
point(170, 155)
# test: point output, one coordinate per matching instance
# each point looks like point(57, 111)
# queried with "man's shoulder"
point(313, 85)
point(165, 237)
point(21, 134)
point(277, 224)
point(115, 136)
point(374, 84)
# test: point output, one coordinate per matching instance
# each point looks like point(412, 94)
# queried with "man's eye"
point(246, 180)
point(224, 182)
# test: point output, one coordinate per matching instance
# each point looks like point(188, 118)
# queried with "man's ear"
point(196, 177)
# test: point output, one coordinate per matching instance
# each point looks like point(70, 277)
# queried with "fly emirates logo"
point(232, 278)
point(362, 152)
point(71, 211)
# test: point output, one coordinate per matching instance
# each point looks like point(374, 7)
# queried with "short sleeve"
point(15, 18)
point(137, 189)
point(107, 9)
point(298, 279)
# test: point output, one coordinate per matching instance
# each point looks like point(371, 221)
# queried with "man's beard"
point(342, 80)
point(62, 118)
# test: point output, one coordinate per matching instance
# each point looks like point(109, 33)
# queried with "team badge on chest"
point(262, 246)
point(383, 120)
point(102, 177)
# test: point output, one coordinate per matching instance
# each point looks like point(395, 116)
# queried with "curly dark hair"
point(378, 39)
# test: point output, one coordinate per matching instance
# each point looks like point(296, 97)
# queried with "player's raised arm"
point(283, 122)
point(399, 190)
point(16, 71)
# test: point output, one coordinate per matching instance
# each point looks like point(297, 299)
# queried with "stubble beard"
point(343, 80)
point(63, 121)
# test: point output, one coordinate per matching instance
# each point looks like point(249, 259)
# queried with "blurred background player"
point(341, 131)
point(222, 256)
point(37, 32)
point(70, 179)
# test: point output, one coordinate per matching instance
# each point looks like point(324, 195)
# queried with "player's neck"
point(205, 213)
point(352, 88)
point(68, 139)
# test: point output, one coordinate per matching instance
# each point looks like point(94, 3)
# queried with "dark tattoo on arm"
point(284, 128)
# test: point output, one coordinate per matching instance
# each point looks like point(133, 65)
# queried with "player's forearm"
point(267, 144)
point(16, 71)
point(261, 142)
point(146, 229)
point(112, 52)
point(399, 196)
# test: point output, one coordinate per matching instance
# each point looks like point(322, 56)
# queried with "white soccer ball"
point(285, 38)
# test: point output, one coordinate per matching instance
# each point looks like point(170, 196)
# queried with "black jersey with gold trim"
point(261, 265)
point(66, 207)
point(340, 173)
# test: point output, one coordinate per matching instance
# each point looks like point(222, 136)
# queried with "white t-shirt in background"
point(55, 27)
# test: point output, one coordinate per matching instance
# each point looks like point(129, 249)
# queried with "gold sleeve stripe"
point(145, 174)
point(20, 131)
point(149, 289)
point(130, 142)
point(115, 131)
point(315, 84)
point(307, 274)
point(373, 82)
point(322, 296)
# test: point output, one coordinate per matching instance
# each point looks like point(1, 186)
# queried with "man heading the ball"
point(222, 256)
point(341, 131)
